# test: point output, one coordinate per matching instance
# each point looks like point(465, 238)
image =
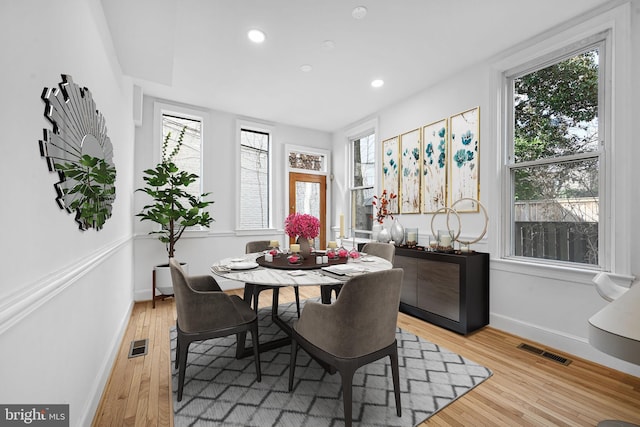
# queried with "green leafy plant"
point(92, 190)
point(173, 207)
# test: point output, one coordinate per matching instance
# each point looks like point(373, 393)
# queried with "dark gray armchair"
point(382, 250)
point(251, 290)
point(359, 328)
point(205, 312)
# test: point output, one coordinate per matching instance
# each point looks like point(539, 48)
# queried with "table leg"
point(243, 351)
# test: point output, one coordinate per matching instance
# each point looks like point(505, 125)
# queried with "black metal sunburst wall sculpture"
point(79, 150)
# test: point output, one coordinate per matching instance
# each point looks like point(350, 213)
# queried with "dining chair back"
point(205, 312)
point(386, 251)
point(359, 328)
point(251, 290)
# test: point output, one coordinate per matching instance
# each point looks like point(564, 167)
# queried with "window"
point(555, 157)
point(189, 156)
point(255, 178)
point(362, 180)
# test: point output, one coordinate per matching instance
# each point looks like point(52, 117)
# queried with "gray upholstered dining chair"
point(252, 290)
point(205, 312)
point(383, 250)
point(359, 328)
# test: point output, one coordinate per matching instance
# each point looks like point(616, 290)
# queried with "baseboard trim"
point(25, 301)
point(567, 343)
point(88, 413)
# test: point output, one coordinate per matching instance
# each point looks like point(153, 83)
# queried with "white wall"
point(65, 295)
point(547, 305)
point(220, 150)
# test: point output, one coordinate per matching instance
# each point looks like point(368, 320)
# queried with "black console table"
point(447, 289)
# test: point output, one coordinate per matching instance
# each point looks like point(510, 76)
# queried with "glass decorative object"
point(384, 236)
point(332, 252)
point(397, 232)
point(411, 237)
point(342, 252)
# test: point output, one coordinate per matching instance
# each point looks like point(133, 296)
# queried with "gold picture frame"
point(464, 160)
point(435, 137)
point(410, 172)
point(391, 170)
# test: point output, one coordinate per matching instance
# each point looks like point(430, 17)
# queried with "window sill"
point(566, 273)
point(258, 232)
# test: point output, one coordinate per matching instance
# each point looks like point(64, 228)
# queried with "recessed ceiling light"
point(328, 44)
point(359, 12)
point(306, 68)
point(256, 36)
point(377, 83)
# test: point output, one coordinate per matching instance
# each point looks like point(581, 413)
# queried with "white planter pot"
point(164, 284)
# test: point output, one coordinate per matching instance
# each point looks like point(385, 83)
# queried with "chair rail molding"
point(25, 301)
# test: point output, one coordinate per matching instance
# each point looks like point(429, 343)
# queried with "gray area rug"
point(220, 390)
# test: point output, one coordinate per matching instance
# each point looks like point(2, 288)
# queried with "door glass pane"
point(308, 201)
point(556, 211)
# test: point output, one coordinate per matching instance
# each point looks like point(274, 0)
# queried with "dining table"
point(313, 270)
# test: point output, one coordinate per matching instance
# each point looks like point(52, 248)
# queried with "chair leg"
point(177, 348)
point(347, 395)
point(396, 379)
point(297, 292)
point(241, 339)
point(184, 350)
point(292, 362)
point(256, 349)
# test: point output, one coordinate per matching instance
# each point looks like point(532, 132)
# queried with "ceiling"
point(197, 51)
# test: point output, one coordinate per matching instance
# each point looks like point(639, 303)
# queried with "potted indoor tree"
point(173, 208)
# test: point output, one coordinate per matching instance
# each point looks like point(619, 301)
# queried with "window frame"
point(364, 130)
point(242, 125)
point(354, 188)
point(618, 191)
point(601, 41)
point(159, 110)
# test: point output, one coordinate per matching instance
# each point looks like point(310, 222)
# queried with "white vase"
point(375, 230)
point(384, 236)
point(397, 232)
point(164, 284)
point(305, 246)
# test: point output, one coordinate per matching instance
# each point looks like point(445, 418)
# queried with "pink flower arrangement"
point(302, 225)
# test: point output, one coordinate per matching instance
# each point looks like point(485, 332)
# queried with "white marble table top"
point(615, 329)
point(278, 277)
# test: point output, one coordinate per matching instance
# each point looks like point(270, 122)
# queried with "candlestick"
point(341, 225)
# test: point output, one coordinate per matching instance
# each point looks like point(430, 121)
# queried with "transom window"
point(555, 157)
point(255, 179)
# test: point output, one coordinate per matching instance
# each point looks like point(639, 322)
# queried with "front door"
point(308, 194)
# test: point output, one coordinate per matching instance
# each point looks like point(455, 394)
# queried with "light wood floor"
point(525, 389)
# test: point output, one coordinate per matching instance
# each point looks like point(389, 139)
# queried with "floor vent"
point(138, 348)
point(544, 353)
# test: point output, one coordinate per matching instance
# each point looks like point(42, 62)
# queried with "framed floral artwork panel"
point(434, 166)
point(391, 171)
point(411, 172)
point(464, 170)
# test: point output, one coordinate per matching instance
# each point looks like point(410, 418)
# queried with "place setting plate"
point(242, 265)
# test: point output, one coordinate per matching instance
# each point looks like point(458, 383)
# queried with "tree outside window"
point(555, 161)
